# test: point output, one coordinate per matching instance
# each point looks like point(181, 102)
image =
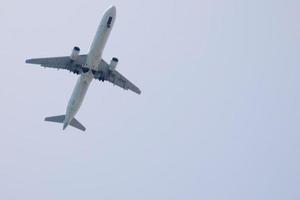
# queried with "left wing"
point(76, 66)
point(118, 79)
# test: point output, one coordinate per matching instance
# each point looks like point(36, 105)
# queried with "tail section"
point(61, 119)
point(57, 119)
point(75, 123)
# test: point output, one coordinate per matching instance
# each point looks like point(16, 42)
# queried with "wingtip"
point(137, 90)
point(30, 61)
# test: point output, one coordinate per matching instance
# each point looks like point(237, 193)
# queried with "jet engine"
point(75, 53)
point(113, 64)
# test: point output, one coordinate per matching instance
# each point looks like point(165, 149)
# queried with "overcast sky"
point(218, 118)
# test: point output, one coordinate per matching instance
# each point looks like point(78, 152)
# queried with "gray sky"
point(218, 117)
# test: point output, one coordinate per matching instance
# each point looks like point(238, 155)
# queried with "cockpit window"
point(109, 22)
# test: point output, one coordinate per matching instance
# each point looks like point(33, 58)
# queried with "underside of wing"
point(115, 77)
point(61, 62)
point(78, 66)
point(118, 79)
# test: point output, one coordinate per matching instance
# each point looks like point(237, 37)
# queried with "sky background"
point(218, 118)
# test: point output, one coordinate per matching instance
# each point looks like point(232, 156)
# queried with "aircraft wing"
point(61, 63)
point(118, 79)
point(77, 67)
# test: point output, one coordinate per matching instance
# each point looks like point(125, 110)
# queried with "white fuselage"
point(93, 62)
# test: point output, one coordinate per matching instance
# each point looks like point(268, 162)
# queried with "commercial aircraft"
point(88, 67)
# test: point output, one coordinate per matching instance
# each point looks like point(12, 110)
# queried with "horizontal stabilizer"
point(57, 119)
point(61, 119)
point(75, 123)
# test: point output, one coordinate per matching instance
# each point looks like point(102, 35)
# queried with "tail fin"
point(61, 118)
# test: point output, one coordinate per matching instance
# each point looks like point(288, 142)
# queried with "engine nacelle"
point(113, 64)
point(75, 53)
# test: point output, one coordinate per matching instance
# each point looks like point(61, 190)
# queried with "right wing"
point(118, 79)
point(65, 62)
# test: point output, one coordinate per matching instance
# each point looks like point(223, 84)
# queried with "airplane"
point(89, 66)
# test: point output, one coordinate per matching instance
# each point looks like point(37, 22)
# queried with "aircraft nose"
point(112, 10)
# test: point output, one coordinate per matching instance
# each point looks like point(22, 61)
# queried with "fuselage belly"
point(93, 63)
